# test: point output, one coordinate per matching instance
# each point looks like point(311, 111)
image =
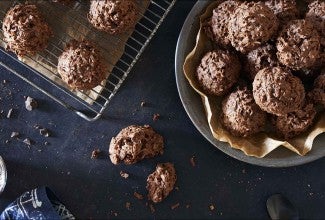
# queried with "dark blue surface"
point(95, 189)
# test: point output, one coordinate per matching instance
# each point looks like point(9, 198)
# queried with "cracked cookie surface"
point(135, 143)
point(161, 182)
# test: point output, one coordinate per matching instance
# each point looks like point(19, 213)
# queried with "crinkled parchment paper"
point(258, 145)
point(70, 22)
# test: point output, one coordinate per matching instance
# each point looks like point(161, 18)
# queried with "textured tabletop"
point(216, 187)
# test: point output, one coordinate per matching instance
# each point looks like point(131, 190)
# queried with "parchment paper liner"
point(67, 25)
point(258, 145)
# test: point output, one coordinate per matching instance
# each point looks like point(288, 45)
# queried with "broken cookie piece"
point(30, 103)
point(135, 143)
point(161, 182)
point(95, 154)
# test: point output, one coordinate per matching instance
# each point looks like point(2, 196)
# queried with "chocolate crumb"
point(127, 205)
point(138, 195)
point(27, 141)
point(95, 154)
point(9, 113)
point(30, 103)
point(155, 117)
point(192, 161)
point(14, 134)
point(37, 126)
point(211, 207)
point(175, 206)
point(44, 132)
point(152, 208)
point(143, 103)
point(124, 175)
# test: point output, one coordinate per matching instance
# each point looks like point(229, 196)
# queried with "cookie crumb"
point(211, 207)
point(138, 195)
point(127, 205)
point(152, 208)
point(192, 161)
point(95, 154)
point(30, 103)
point(37, 126)
point(155, 117)
point(175, 206)
point(124, 175)
point(14, 134)
point(44, 132)
point(143, 103)
point(9, 114)
point(176, 188)
point(27, 141)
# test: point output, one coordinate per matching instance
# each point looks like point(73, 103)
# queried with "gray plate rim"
point(185, 43)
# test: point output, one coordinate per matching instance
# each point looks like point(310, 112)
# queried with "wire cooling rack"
point(87, 107)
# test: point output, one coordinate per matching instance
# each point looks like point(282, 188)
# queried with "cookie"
point(277, 91)
point(113, 16)
point(161, 182)
point(25, 30)
point(81, 65)
point(135, 143)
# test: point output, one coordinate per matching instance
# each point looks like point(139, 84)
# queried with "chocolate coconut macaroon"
point(277, 91)
point(81, 65)
point(316, 15)
point(318, 92)
point(260, 58)
point(298, 45)
point(285, 10)
point(135, 143)
point(251, 25)
point(25, 30)
point(241, 115)
point(295, 123)
point(161, 182)
point(218, 25)
point(218, 72)
point(113, 16)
